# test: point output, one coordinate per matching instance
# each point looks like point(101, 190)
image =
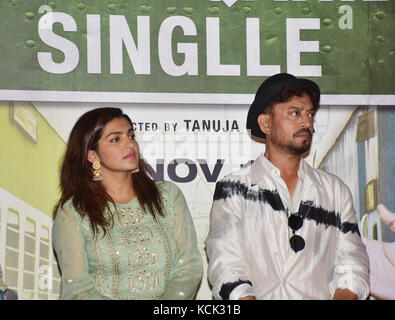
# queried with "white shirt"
point(248, 243)
point(281, 186)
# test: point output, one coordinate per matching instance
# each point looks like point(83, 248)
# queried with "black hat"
point(270, 89)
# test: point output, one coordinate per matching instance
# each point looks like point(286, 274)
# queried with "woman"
point(117, 234)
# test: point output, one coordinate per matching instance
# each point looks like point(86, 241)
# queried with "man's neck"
point(288, 164)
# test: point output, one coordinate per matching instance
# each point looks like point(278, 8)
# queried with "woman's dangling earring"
point(97, 171)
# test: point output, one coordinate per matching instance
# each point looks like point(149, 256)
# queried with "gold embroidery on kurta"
point(144, 281)
point(137, 235)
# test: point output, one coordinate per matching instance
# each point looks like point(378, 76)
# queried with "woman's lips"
point(130, 156)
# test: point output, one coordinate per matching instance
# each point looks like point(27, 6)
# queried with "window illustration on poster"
point(187, 85)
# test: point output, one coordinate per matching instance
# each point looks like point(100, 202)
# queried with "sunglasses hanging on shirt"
point(295, 222)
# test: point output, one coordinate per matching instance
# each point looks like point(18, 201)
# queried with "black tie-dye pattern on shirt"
point(228, 189)
point(227, 288)
point(307, 209)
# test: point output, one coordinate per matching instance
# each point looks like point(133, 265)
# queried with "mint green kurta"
point(138, 258)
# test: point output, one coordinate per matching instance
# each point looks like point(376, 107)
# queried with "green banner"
point(194, 46)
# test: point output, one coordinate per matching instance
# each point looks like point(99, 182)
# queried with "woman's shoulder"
point(168, 189)
point(67, 210)
point(166, 186)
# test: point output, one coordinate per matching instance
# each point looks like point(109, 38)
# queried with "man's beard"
point(294, 149)
point(301, 149)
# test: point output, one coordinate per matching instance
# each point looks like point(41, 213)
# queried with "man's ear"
point(265, 123)
point(93, 156)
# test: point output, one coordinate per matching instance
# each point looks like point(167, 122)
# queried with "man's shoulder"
point(242, 176)
point(325, 177)
point(241, 183)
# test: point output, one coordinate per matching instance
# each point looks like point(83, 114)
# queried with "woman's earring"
point(135, 170)
point(97, 172)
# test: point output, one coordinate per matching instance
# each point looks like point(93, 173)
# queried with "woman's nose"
point(129, 144)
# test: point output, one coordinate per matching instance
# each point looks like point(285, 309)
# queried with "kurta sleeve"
point(228, 270)
point(69, 245)
point(351, 261)
point(187, 268)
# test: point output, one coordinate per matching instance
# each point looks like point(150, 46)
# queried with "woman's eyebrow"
point(113, 133)
point(117, 132)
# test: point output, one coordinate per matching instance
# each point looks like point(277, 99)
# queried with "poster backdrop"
point(185, 72)
point(194, 51)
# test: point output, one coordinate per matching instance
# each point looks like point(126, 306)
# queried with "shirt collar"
point(262, 166)
point(270, 167)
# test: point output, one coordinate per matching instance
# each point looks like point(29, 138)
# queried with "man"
point(280, 229)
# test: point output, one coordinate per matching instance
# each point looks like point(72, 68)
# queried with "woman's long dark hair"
point(89, 197)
